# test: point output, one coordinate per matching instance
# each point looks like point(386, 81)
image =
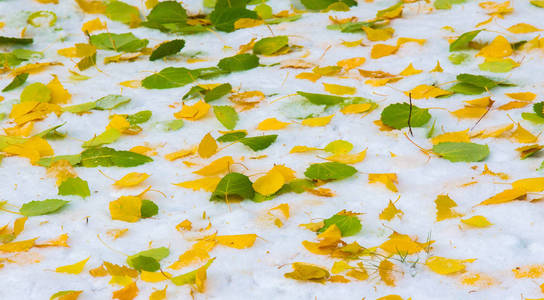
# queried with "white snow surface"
point(514, 240)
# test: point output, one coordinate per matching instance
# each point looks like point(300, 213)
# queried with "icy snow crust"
point(514, 240)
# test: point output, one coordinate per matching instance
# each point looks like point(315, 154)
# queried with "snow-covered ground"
point(514, 240)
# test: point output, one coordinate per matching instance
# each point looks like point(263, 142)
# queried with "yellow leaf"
point(378, 34)
point(446, 266)
point(207, 184)
point(134, 84)
point(381, 81)
point(457, 136)
point(530, 271)
point(444, 208)
point(477, 221)
point(339, 89)
point(390, 297)
point(313, 77)
point(317, 121)
point(129, 292)
point(126, 208)
point(247, 23)
point(117, 233)
point(20, 246)
point(154, 276)
point(385, 270)
point(505, 196)
point(523, 28)
point(493, 131)
point(131, 179)
point(498, 48)
point(389, 179)
point(424, 91)
point(351, 44)
point(347, 158)
point(272, 124)
point(531, 185)
point(351, 63)
point(93, 25)
point(34, 148)
point(404, 40)
point(73, 268)
point(200, 276)
point(184, 225)
point(478, 279)
point(269, 183)
point(381, 50)
point(390, 212)
point(33, 68)
point(356, 108)
point(437, 68)
point(487, 171)
point(218, 166)
point(340, 266)
point(484, 22)
point(59, 241)
point(143, 150)
point(410, 70)
point(469, 112)
point(197, 253)
point(357, 274)
point(309, 272)
point(513, 105)
point(68, 295)
point(522, 135)
point(179, 154)
point(302, 149)
point(402, 244)
point(287, 173)
point(525, 96)
point(193, 112)
point(118, 122)
point(92, 6)
point(59, 95)
point(239, 241)
point(159, 294)
point(207, 147)
point(497, 9)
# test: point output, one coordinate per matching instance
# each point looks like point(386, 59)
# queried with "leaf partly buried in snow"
point(74, 186)
point(234, 185)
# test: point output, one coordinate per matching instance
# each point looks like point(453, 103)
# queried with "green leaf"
point(17, 81)
point(74, 186)
point(123, 42)
point(501, 66)
point(26, 54)
point(466, 152)
point(382, 12)
point(173, 125)
point(110, 102)
point(87, 62)
point(38, 208)
point(477, 80)
point(233, 185)
point(167, 12)
point(156, 254)
point(533, 117)
point(58, 295)
point(240, 62)
point(226, 115)
point(41, 18)
point(348, 225)
point(538, 108)
point(107, 157)
point(446, 4)
point(79, 108)
point(145, 263)
point(122, 12)
point(259, 143)
point(139, 117)
point(48, 161)
point(329, 171)
point(323, 4)
point(466, 89)
point(270, 45)
point(148, 209)
point(458, 58)
point(322, 99)
point(167, 48)
point(224, 18)
point(264, 11)
point(170, 77)
point(232, 136)
point(396, 116)
point(13, 40)
point(538, 3)
point(461, 43)
point(300, 185)
point(107, 137)
point(36, 92)
point(218, 92)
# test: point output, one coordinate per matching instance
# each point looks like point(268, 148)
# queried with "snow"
point(257, 272)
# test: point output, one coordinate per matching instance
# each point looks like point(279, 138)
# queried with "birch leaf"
point(74, 186)
point(38, 208)
point(73, 268)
